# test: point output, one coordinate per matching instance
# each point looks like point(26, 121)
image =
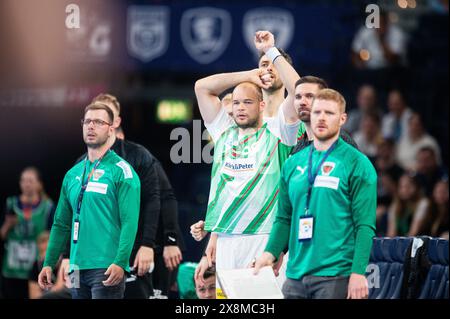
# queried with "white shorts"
point(238, 251)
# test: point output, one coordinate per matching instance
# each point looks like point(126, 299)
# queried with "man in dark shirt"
point(168, 241)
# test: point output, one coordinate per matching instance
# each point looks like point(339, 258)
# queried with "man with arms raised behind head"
point(248, 154)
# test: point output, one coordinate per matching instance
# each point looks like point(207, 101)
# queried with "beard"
point(250, 123)
point(304, 115)
point(99, 142)
point(277, 85)
point(325, 136)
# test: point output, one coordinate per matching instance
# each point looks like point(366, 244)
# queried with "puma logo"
point(301, 169)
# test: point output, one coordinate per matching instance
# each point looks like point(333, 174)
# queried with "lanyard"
point(84, 184)
point(311, 177)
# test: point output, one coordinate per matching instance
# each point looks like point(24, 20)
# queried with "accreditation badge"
point(305, 228)
point(76, 230)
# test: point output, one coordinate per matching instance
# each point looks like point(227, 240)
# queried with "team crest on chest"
point(97, 174)
point(327, 168)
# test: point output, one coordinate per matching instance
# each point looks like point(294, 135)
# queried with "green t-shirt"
point(343, 203)
point(108, 218)
point(185, 280)
point(21, 250)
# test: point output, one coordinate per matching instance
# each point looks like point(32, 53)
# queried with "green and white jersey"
point(20, 245)
point(108, 219)
point(244, 180)
point(301, 131)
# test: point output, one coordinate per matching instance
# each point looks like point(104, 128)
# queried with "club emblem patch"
point(327, 168)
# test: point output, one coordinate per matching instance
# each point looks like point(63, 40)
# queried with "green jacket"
point(108, 217)
point(343, 204)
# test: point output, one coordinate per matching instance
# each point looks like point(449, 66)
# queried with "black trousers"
point(156, 284)
point(163, 279)
point(139, 287)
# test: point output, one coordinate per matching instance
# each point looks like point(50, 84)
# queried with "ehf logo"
point(205, 33)
point(276, 20)
point(147, 31)
point(306, 226)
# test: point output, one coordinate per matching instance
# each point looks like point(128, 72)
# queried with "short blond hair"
point(331, 95)
point(227, 98)
point(107, 98)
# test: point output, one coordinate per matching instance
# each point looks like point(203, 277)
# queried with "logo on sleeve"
point(327, 168)
point(127, 173)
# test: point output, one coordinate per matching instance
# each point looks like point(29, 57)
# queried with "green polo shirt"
point(108, 218)
point(343, 203)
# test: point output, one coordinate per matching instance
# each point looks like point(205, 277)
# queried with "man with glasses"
point(98, 209)
point(158, 241)
point(157, 248)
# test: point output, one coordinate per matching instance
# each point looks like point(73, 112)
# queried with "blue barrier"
point(436, 282)
point(400, 267)
point(389, 255)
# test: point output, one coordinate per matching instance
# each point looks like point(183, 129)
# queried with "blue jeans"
point(90, 286)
